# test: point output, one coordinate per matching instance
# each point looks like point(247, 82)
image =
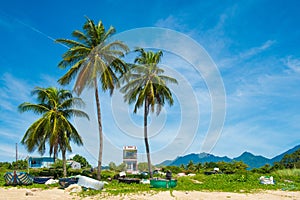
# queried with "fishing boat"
point(17, 178)
point(65, 182)
point(41, 179)
point(128, 180)
point(163, 183)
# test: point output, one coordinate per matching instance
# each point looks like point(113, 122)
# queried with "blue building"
point(40, 162)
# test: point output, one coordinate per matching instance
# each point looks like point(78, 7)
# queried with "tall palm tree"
point(147, 86)
point(56, 107)
point(94, 60)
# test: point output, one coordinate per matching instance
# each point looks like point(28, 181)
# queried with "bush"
point(173, 169)
point(55, 173)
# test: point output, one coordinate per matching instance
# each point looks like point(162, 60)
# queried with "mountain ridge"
point(253, 161)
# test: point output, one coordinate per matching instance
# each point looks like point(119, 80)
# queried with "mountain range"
point(253, 161)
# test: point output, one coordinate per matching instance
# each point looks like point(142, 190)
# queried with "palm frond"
point(146, 83)
point(51, 128)
point(36, 108)
point(70, 43)
point(66, 79)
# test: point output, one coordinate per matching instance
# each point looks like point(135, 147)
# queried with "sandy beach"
point(51, 194)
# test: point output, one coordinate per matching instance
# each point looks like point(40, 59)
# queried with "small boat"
point(65, 182)
point(41, 179)
point(163, 183)
point(17, 178)
point(128, 180)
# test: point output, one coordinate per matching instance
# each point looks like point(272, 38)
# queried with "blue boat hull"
point(65, 182)
point(41, 180)
point(18, 178)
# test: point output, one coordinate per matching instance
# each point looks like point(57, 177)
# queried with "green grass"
point(288, 173)
point(241, 183)
point(223, 182)
point(115, 188)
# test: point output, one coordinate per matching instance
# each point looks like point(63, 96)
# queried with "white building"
point(74, 164)
point(130, 158)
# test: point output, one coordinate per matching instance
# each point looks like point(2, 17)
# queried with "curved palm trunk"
point(100, 130)
point(146, 138)
point(63, 154)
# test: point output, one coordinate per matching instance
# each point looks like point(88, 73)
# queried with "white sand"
point(51, 194)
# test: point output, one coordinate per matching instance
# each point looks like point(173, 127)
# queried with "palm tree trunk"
point(146, 138)
point(63, 154)
point(100, 130)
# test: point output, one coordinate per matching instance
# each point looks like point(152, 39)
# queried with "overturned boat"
point(129, 180)
point(66, 182)
point(18, 178)
point(41, 179)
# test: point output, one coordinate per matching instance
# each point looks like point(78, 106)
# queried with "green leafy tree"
point(6, 165)
point(210, 165)
point(20, 164)
point(58, 164)
point(122, 167)
point(56, 108)
point(147, 86)
point(94, 61)
point(277, 166)
point(291, 160)
point(190, 166)
point(82, 160)
point(265, 169)
point(225, 167)
point(173, 169)
point(143, 166)
point(232, 167)
point(198, 167)
point(240, 166)
point(112, 166)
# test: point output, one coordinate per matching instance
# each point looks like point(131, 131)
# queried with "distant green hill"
point(253, 161)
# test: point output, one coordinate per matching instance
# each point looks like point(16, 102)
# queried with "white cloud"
point(293, 64)
point(11, 86)
point(256, 50)
point(171, 22)
point(241, 58)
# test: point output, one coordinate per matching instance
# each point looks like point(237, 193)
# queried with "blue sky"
point(252, 45)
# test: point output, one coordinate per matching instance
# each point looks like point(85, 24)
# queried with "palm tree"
point(147, 86)
point(94, 61)
point(56, 107)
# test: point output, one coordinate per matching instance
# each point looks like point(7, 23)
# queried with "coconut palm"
point(147, 86)
point(56, 107)
point(94, 60)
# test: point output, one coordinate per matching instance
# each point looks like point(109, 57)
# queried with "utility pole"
point(16, 167)
point(16, 156)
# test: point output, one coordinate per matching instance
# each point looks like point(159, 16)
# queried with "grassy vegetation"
point(244, 183)
point(287, 179)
